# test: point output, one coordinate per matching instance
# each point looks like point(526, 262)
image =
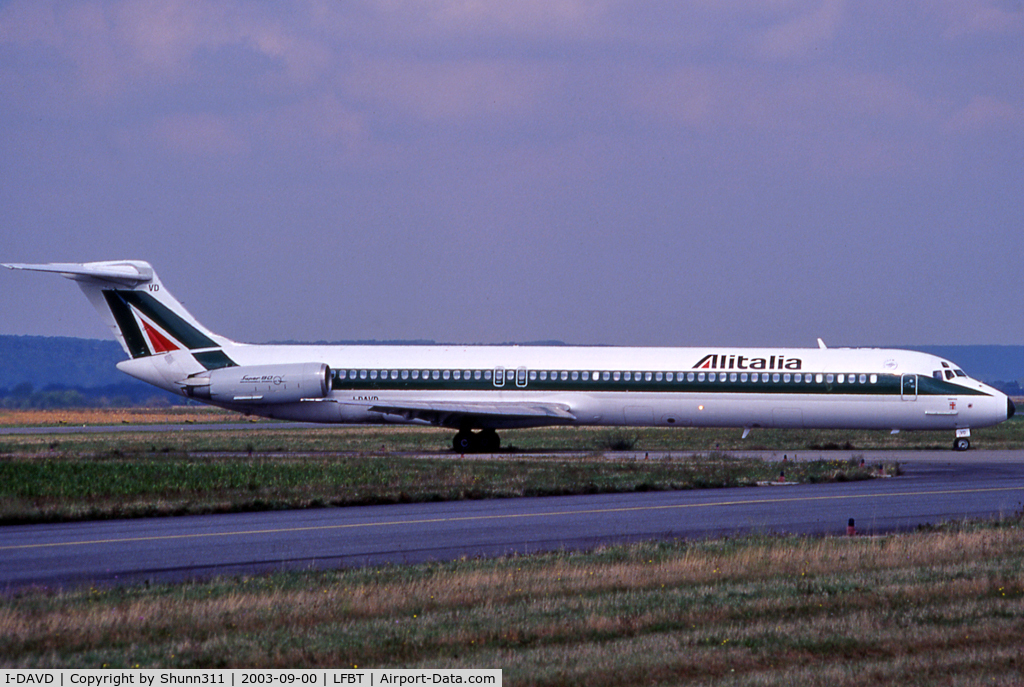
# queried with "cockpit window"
point(937, 374)
point(949, 374)
point(960, 373)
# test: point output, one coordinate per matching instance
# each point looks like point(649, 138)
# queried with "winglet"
point(127, 272)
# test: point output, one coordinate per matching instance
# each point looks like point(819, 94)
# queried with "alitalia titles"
point(742, 362)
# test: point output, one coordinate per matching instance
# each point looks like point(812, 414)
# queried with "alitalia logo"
point(742, 362)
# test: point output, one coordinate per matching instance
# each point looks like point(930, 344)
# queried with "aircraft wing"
point(443, 412)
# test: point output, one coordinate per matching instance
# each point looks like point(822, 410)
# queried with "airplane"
point(478, 390)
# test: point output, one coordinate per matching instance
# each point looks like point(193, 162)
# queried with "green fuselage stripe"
point(886, 385)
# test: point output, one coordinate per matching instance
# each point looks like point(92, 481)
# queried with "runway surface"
point(936, 487)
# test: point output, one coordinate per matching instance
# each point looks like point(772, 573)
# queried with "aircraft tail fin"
point(144, 317)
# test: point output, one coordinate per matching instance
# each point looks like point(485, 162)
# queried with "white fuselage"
point(708, 387)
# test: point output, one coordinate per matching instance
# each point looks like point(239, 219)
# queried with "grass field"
point(944, 607)
point(57, 486)
point(52, 477)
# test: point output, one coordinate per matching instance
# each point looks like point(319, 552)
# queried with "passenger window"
point(487, 375)
point(605, 376)
point(830, 378)
point(798, 378)
point(775, 377)
point(373, 374)
point(863, 378)
point(669, 377)
point(700, 377)
point(565, 375)
point(446, 374)
point(575, 375)
point(615, 376)
point(840, 379)
point(457, 374)
point(657, 376)
point(647, 377)
point(689, 376)
point(732, 377)
point(405, 374)
point(712, 377)
point(744, 377)
point(477, 374)
point(786, 378)
point(533, 375)
point(628, 376)
point(873, 379)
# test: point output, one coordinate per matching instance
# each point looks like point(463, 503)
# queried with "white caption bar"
point(139, 677)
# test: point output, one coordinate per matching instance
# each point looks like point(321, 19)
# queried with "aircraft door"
point(521, 377)
point(908, 390)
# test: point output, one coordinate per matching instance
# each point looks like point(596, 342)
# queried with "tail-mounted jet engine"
point(261, 384)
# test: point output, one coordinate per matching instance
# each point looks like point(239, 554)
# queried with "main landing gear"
point(961, 444)
point(486, 440)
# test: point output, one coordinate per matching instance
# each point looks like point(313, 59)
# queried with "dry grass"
point(928, 608)
point(116, 416)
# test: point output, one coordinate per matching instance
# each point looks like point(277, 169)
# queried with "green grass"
point(268, 436)
point(938, 607)
point(60, 487)
point(53, 477)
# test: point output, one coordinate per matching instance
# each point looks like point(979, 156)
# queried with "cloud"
point(201, 135)
point(453, 90)
point(981, 17)
point(985, 113)
point(814, 24)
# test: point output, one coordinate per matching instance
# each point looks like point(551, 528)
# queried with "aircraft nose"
point(1010, 408)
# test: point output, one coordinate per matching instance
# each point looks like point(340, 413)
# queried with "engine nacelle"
point(262, 384)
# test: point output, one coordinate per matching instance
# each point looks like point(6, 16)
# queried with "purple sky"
point(712, 172)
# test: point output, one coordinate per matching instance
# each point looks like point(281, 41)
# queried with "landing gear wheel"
point(464, 442)
point(474, 442)
point(961, 444)
point(489, 440)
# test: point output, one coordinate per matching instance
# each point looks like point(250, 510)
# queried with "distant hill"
point(32, 365)
point(34, 370)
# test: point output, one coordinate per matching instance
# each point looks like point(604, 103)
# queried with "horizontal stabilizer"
point(126, 273)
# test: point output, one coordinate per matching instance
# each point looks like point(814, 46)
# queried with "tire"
point(961, 444)
point(464, 442)
point(489, 440)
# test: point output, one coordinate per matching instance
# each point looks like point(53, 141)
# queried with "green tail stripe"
point(214, 360)
point(182, 331)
